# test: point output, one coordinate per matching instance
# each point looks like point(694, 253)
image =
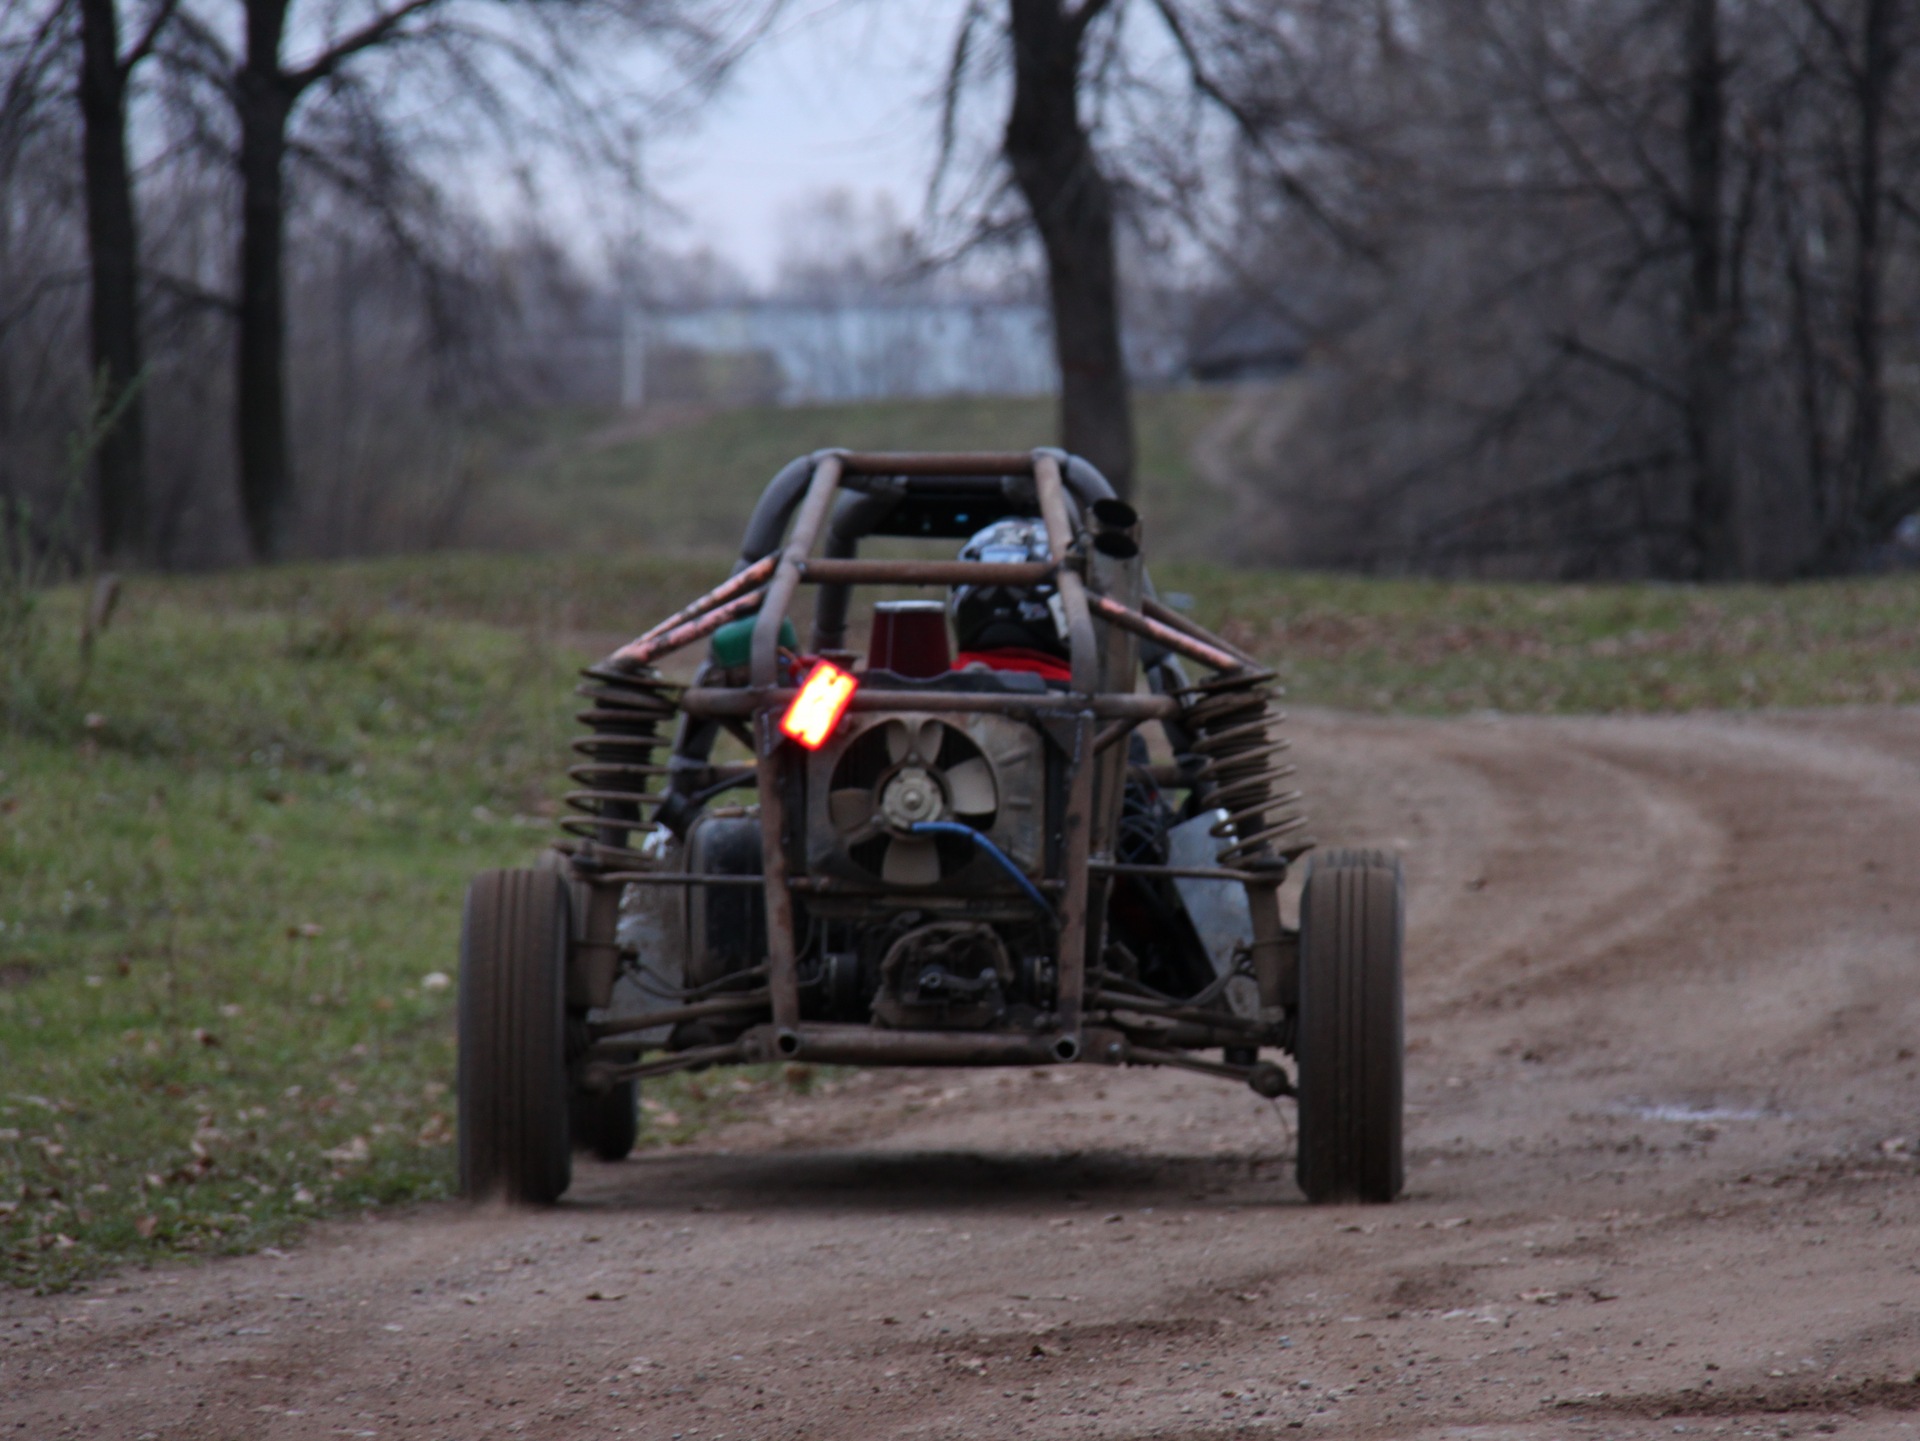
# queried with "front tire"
point(1351, 1028)
point(514, 939)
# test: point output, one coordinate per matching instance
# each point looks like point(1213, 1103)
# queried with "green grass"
point(605, 482)
point(232, 850)
point(1430, 647)
point(1352, 643)
point(231, 862)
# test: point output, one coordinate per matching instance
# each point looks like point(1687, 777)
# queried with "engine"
point(917, 930)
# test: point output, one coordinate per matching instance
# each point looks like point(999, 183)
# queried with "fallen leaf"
point(349, 1153)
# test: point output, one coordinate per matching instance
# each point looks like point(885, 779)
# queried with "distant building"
point(797, 353)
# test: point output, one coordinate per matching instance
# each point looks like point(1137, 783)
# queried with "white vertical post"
point(633, 359)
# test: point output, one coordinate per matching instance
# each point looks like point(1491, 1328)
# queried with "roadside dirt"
point(1663, 1179)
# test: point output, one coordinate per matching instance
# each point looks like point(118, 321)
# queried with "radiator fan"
point(900, 772)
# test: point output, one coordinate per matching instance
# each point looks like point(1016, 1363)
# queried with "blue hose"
point(1005, 861)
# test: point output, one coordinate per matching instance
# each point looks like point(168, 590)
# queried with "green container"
point(733, 642)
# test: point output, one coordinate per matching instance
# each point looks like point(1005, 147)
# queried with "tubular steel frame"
point(1132, 1031)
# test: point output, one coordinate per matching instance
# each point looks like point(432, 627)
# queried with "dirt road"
point(1662, 1179)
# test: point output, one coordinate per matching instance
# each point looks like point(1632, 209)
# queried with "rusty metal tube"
point(1182, 1060)
point(644, 651)
point(1109, 1047)
point(1176, 1027)
point(673, 878)
point(1154, 609)
point(959, 462)
point(749, 579)
point(1114, 732)
point(720, 701)
point(1276, 956)
point(829, 571)
point(1196, 873)
point(867, 1045)
point(1166, 635)
point(786, 576)
point(651, 1020)
point(1082, 645)
point(783, 965)
point(1079, 928)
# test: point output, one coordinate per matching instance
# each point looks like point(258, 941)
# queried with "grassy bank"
point(232, 847)
point(1426, 647)
point(1438, 648)
point(231, 860)
point(607, 481)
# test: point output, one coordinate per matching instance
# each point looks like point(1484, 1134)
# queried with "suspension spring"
point(630, 717)
point(1235, 724)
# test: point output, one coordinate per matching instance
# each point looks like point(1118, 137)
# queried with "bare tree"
point(1096, 136)
point(1713, 535)
point(1618, 305)
point(494, 61)
point(39, 282)
point(1071, 203)
point(1858, 51)
point(113, 252)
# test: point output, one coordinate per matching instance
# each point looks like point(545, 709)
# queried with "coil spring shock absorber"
point(1234, 724)
point(629, 719)
point(1233, 721)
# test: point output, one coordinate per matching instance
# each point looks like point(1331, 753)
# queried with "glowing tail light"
point(823, 699)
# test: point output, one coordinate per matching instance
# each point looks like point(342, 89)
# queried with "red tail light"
point(823, 699)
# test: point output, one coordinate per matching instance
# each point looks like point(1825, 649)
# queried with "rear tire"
point(607, 1123)
point(513, 1086)
point(1351, 1028)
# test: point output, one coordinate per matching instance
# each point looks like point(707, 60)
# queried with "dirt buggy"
point(1041, 819)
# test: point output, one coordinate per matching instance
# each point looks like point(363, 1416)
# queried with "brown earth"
point(1662, 1178)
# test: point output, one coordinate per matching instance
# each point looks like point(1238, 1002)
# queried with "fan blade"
point(971, 785)
point(911, 862)
point(849, 809)
point(926, 741)
point(899, 741)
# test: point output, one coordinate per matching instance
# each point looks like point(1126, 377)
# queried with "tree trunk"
point(1713, 530)
point(264, 104)
point(1862, 471)
point(1072, 207)
point(119, 458)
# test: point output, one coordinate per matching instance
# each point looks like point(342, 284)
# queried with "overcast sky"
point(835, 98)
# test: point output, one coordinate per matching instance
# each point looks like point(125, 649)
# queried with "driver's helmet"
point(993, 617)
